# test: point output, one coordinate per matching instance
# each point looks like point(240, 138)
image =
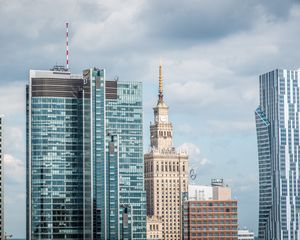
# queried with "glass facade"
point(277, 124)
point(54, 158)
point(119, 196)
point(85, 176)
point(124, 119)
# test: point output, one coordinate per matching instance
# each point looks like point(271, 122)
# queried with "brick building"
point(213, 217)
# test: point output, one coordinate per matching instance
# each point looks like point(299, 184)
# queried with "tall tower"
point(84, 157)
point(166, 171)
point(277, 126)
point(116, 130)
point(56, 186)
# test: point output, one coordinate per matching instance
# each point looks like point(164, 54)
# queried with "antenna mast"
point(160, 89)
point(67, 45)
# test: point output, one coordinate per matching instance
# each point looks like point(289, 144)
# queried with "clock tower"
point(161, 130)
point(166, 173)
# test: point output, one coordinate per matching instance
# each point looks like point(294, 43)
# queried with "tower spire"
point(67, 45)
point(160, 91)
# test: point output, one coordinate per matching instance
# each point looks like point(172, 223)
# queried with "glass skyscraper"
point(119, 196)
point(277, 124)
point(84, 157)
point(54, 156)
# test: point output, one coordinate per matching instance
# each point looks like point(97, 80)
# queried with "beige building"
point(154, 228)
point(221, 191)
point(166, 172)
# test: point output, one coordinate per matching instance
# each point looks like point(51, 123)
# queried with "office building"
point(1, 181)
point(84, 157)
point(245, 234)
point(54, 156)
point(277, 125)
point(166, 172)
point(200, 192)
point(119, 196)
point(210, 216)
point(154, 228)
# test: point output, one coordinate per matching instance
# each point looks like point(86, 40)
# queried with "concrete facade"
point(166, 173)
point(200, 192)
point(154, 228)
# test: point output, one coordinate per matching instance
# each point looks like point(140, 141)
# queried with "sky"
point(212, 51)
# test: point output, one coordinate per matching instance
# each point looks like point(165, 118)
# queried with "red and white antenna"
point(67, 45)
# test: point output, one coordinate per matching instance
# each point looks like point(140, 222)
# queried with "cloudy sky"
point(212, 52)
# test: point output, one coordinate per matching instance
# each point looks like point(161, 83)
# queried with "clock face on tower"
point(163, 119)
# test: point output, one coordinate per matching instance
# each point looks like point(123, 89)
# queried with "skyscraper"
point(84, 157)
point(55, 171)
point(166, 172)
point(277, 125)
point(1, 182)
point(119, 194)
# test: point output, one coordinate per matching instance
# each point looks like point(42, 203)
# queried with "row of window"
point(212, 222)
point(209, 210)
point(164, 167)
point(213, 204)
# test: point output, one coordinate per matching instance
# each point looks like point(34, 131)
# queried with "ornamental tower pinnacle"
point(161, 130)
point(160, 90)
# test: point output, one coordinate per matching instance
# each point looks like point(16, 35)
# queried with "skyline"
point(215, 119)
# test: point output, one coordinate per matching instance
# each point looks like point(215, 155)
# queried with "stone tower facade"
point(166, 172)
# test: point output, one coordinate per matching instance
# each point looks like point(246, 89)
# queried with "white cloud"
point(184, 128)
point(14, 170)
point(14, 195)
point(243, 183)
point(12, 99)
point(197, 93)
point(196, 160)
point(231, 126)
point(14, 140)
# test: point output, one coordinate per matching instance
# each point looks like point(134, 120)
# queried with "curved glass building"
point(277, 125)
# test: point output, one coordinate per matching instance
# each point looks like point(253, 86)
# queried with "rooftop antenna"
point(160, 89)
point(67, 46)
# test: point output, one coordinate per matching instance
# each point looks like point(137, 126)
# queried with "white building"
point(200, 192)
point(245, 235)
point(217, 191)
